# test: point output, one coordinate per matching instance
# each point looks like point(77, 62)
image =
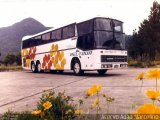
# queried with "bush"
point(59, 105)
point(26, 116)
point(9, 59)
point(134, 63)
point(50, 107)
point(18, 59)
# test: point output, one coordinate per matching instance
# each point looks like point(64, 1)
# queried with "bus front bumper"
point(113, 65)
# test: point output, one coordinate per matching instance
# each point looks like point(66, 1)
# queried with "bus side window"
point(85, 42)
point(85, 27)
point(68, 31)
point(46, 38)
point(25, 44)
point(56, 35)
point(88, 42)
point(38, 40)
point(80, 42)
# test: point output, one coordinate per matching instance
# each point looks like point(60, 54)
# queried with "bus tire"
point(60, 71)
point(38, 67)
point(77, 68)
point(53, 71)
point(33, 67)
point(101, 72)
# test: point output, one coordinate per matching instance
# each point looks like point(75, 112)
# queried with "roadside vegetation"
point(8, 68)
point(144, 45)
point(59, 106)
point(11, 62)
point(143, 64)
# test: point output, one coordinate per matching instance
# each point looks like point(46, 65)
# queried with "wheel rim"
point(33, 67)
point(76, 68)
point(39, 67)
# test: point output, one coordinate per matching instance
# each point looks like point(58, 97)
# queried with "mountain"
point(11, 37)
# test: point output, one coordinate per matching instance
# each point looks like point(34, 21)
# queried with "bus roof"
point(51, 29)
point(40, 33)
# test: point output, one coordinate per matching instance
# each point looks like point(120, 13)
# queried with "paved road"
point(21, 90)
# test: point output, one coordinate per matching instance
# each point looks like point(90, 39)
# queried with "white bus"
point(95, 44)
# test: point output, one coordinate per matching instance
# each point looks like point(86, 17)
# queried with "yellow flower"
point(148, 109)
point(92, 106)
point(68, 111)
point(78, 111)
point(47, 105)
point(93, 90)
point(109, 99)
point(96, 101)
point(140, 76)
point(51, 96)
point(153, 74)
point(90, 92)
point(37, 112)
point(152, 94)
point(103, 95)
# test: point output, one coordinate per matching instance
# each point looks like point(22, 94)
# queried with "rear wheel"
point(101, 72)
point(60, 71)
point(33, 67)
point(38, 67)
point(77, 68)
point(53, 71)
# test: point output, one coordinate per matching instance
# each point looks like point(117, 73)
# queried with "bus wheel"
point(60, 71)
point(101, 72)
point(77, 68)
point(33, 67)
point(38, 67)
point(53, 71)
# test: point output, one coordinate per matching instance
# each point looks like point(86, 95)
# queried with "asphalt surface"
point(21, 90)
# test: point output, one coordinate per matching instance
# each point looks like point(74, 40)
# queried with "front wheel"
point(77, 68)
point(101, 72)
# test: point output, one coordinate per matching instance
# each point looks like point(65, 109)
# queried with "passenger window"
point(85, 42)
point(69, 31)
point(56, 35)
point(85, 27)
point(46, 36)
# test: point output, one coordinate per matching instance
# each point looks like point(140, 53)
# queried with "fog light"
point(102, 66)
point(123, 65)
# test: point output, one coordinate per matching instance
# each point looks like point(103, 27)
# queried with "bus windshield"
point(105, 33)
point(108, 34)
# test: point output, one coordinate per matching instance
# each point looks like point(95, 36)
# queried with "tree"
point(9, 59)
point(145, 42)
point(18, 59)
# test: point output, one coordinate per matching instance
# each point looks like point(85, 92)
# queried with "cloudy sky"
point(55, 13)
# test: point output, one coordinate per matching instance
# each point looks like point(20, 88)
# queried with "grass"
point(135, 63)
point(11, 115)
point(12, 67)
